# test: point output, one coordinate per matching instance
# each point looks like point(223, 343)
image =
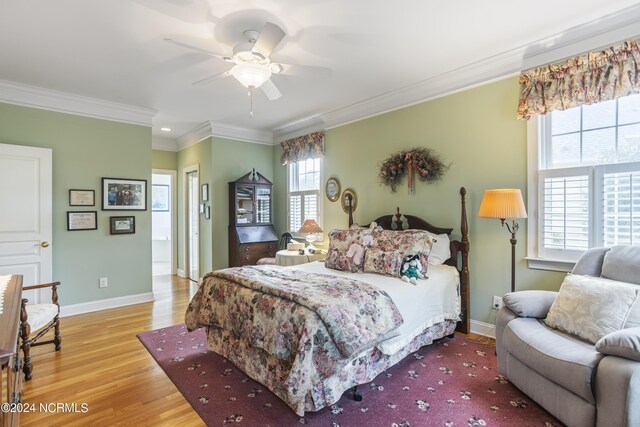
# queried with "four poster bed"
point(309, 333)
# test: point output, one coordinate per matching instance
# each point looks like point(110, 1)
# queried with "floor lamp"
point(505, 204)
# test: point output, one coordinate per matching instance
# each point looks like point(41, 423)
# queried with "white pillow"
point(440, 250)
point(591, 307)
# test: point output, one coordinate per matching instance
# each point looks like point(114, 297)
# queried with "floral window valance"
point(586, 79)
point(305, 147)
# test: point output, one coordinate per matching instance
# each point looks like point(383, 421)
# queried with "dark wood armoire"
point(251, 232)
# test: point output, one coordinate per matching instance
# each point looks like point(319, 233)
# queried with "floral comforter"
point(306, 336)
point(276, 307)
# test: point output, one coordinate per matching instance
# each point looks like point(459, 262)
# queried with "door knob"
point(42, 244)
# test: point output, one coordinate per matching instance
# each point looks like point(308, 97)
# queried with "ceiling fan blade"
point(196, 48)
point(305, 70)
point(269, 38)
point(270, 90)
point(209, 79)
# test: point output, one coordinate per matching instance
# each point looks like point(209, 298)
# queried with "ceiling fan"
point(253, 66)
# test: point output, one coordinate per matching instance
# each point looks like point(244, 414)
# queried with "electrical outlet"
point(497, 303)
point(103, 282)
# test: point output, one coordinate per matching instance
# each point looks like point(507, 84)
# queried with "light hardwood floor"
point(103, 364)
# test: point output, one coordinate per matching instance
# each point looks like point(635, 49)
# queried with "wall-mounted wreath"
point(422, 161)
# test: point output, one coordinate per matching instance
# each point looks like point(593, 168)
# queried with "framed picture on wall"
point(205, 192)
point(82, 198)
point(120, 194)
point(87, 220)
point(122, 224)
point(160, 198)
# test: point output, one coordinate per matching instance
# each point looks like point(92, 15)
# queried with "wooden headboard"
point(459, 248)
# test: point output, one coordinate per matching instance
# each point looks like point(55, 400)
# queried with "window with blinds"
point(304, 193)
point(589, 178)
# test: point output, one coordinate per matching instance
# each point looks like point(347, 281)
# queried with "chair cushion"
point(622, 263)
point(561, 358)
point(39, 315)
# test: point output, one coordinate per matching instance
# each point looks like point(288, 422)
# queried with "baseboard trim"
point(482, 328)
point(104, 304)
point(181, 273)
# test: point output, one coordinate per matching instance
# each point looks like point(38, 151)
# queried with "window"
point(588, 179)
point(304, 193)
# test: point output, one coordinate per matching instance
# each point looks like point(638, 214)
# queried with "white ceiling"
point(377, 50)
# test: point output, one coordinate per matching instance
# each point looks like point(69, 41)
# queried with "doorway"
point(192, 223)
point(163, 222)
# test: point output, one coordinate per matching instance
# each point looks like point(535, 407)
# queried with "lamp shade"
point(250, 74)
point(502, 204)
point(310, 226)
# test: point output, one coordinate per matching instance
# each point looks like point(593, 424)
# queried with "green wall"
point(477, 131)
point(161, 159)
point(84, 151)
point(231, 160)
point(220, 161)
point(197, 154)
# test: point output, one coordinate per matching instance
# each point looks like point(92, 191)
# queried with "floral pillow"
point(381, 262)
point(406, 242)
point(339, 257)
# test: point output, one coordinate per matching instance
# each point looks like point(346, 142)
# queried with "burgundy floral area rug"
point(453, 382)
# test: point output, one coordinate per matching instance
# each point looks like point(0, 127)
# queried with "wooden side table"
point(285, 257)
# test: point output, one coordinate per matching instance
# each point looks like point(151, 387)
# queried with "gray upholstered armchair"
point(577, 351)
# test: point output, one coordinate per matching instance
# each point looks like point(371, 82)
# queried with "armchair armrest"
point(617, 392)
point(44, 285)
point(530, 303)
point(624, 343)
point(54, 291)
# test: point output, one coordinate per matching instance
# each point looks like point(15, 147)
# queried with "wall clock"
point(332, 189)
point(344, 200)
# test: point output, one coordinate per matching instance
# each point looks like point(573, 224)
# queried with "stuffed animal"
point(356, 250)
point(411, 269)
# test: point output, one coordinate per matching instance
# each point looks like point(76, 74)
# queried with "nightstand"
point(286, 257)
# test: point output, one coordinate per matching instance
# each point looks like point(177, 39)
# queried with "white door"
point(25, 216)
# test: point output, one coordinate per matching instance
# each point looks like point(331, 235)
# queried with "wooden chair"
point(39, 319)
point(282, 244)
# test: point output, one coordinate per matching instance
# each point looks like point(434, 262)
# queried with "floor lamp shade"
point(502, 204)
point(505, 204)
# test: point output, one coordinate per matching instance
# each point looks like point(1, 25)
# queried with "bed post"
point(463, 326)
point(350, 208)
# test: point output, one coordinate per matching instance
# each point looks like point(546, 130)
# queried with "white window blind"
point(304, 193)
point(621, 208)
point(565, 212)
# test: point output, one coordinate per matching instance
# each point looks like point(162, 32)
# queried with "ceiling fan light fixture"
point(250, 74)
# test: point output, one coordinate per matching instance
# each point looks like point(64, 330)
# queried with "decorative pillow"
point(407, 242)
point(344, 253)
point(590, 307)
point(624, 343)
point(387, 263)
point(441, 250)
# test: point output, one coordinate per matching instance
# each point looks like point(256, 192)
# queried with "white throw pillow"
point(591, 307)
point(440, 250)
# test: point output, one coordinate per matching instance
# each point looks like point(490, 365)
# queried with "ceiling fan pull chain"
point(251, 101)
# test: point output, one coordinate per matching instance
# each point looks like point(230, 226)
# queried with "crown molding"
point(607, 30)
point(165, 144)
point(194, 136)
point(62, 102)
point(243, 134)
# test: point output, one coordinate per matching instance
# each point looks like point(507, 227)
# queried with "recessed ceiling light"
point(165, 129)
